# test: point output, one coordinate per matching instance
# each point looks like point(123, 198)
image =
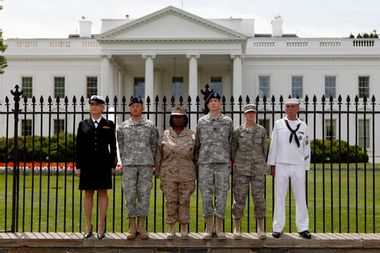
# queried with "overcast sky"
point(306, 18)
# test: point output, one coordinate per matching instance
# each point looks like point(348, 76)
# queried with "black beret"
point(212, 95)
point(135, 100)
point(98, 99)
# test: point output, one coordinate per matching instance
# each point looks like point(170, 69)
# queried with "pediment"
point(170, 24)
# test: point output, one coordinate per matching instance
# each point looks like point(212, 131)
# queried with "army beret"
point(98, 99)
point(212, 95)
point(249, 108)
point(135, 100)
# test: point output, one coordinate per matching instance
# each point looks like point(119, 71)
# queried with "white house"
point(172, 52)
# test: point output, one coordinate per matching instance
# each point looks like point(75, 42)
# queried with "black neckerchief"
point(293, 133)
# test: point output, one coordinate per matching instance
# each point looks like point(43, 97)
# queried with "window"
point(177, 84)
point(59, 87)
point(140, 87)
point(59, 126)
point(26, 127)
point(297, 86)
point(217, 85)
point(92, 86)
point(266, 124)
point(330, 129)
point(27, 86)
point(264, 86)
point(364, 134)
point(330, 86)
point(363, 85)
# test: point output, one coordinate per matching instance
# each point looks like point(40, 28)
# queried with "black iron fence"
point(39, 191)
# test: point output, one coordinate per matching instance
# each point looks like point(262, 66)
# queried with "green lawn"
point(330, 210)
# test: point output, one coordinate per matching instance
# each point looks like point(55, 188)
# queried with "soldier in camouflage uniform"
point(176, 170)
point(249, 152)
point(137, 138)
point(214, 135)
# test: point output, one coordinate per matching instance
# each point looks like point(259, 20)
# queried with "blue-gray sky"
point(307, 18)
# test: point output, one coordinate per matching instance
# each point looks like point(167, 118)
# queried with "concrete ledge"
point(118, 243)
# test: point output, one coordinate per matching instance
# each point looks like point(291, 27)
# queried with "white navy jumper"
point(290, 153)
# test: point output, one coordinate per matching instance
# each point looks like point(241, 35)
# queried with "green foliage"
point(56, 149)
point(352, 36)
point(321, 152)
point(3, 60)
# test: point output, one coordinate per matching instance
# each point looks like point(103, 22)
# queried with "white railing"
point(27, 43)
point(263, 43)
point(330, 43)
point(363, 43)
point(296, 43)
point(59, 43)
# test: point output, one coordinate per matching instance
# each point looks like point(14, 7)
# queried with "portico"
point(170, 53)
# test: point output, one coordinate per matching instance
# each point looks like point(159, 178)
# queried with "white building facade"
point(174, 53)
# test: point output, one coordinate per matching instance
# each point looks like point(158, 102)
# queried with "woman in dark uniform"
point(96, 161)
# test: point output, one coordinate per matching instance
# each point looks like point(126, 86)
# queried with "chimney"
point(277, 26)
point(85, 28)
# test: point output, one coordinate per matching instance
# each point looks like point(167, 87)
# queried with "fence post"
point(15, 193)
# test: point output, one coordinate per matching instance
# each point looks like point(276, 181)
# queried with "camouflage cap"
point(135, 100)
point(98, 99)
point(249, 108)
point(178, 110)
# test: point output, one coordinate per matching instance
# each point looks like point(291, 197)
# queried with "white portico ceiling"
point(171, 24)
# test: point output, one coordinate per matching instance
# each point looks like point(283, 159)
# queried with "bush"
point(346, 152)
point(41, 149)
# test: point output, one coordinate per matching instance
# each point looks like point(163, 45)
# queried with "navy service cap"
point(98, 99)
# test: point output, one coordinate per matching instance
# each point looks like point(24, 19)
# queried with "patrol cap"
point(98, 99)
point(135, 100)
point(292, 101)
point(213, 95)
point(249, 108)
point(178, 110)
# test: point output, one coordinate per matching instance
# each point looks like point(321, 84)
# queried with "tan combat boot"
point(184, 233)
point(132, 229)
point(260, 229)
point(171, 232)
point(144, 235)
point(237, 229)
point(219, 229)
point(208, 232)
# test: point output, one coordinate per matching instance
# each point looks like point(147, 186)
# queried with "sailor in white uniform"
point(289, 157)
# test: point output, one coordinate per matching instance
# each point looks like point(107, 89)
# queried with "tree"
point(3, 60)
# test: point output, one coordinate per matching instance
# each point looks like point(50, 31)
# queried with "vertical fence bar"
point(340, 162)
point(348, 162)
point(41, 165)
point(373, 166)
point(356, 165)
point(6, 164)
point(33, 161)
point(365, 162)
point(74, 104)
point(15, 193)
point(313, 155)
point(332, 159)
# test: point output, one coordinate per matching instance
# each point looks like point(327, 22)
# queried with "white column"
point(193, 78)
point(193, 86)
point(237, 77)
point(149, 76)
point(119, 94)
point(104, 75)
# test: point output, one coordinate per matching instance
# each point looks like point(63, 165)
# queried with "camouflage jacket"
point(137, 142)
point(175, 156)
point(214, 136)
point(249, 149)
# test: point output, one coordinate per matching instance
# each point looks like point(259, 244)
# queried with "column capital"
point(235, 56)
point(196, 56)
point(108, 56)
point(146, 56)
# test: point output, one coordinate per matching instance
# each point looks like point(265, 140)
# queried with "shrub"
point(343, 154)
point(57, 149)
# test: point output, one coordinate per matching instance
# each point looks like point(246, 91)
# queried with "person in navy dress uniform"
point(96, 161)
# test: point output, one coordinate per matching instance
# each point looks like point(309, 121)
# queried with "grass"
point(343, 200)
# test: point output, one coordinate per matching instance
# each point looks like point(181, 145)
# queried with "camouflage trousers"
point(137, 183)
point(214, 181)
point(177, 200)
point(241, 189)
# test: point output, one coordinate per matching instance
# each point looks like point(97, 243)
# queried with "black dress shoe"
point(276, 234)
point(88, 234)
point(305, 234)
point(100, 236)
